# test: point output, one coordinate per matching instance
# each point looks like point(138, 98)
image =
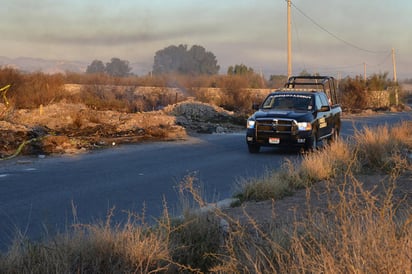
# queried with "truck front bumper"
point(277, 139)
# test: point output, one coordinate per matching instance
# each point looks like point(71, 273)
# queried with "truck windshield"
point(288, 102)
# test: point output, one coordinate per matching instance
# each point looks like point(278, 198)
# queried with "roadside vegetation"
point(371, 150)
point(30, 90)
point(360, 230)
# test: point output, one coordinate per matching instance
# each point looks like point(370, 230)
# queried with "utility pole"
point(289, 41)
point(395, 80)
point(394, 65)
point(364, 72)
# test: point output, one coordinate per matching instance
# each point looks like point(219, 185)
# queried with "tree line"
point(181, 59)
point(116, 67)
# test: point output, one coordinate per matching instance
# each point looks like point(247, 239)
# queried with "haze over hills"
point(28, 64)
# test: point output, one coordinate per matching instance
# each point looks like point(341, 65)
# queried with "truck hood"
point(299, 116)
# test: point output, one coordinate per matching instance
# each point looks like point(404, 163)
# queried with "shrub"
point(9, 76)
point(194, 239)
point(271, 185)
point(378, 148)
point(354, 93)
point(94, 248)
point(327, 163)
point(234, 94)
point(38, 89)
point(32, 90)
point(101, 98)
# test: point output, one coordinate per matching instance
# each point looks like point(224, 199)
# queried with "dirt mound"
point(204, 118)
point(72, 128)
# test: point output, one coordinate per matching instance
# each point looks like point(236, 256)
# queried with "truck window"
point(318, 102)
point(268, 103)
point(324, 100)
point(288, 101)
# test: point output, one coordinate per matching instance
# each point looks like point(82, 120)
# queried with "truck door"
point(325, 116)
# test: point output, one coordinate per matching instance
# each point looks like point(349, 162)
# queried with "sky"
point(333, 37)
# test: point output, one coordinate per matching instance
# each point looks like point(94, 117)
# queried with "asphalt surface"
point(46, 195)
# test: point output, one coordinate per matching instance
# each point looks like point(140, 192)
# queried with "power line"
point(295, 28)
point(385, 59)
point(334, 35)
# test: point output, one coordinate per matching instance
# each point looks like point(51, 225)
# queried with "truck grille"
point(276, 126)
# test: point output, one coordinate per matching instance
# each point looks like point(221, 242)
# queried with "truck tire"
point(312, 142)
point(334, 136)
point(253, 148)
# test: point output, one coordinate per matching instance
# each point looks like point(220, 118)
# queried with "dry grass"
point(378, 147)
point(93, 248)
point(358, 232)
point(271, 184)
point(328, 163)
point(313, 167)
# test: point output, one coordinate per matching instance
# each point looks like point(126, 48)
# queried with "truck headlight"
point(304, 126)
point(251, 123)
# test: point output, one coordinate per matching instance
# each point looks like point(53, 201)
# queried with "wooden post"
point(395, 80)
point(289, 41)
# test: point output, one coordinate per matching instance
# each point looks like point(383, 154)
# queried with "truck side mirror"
point(324, 109)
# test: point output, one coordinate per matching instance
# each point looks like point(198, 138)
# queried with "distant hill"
point(47, 66)
point(28, 64)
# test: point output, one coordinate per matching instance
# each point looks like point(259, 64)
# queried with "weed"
point(361, 233)
point(377, 147)
point(270, 185)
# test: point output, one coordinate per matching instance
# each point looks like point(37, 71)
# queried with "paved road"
point(39, 194)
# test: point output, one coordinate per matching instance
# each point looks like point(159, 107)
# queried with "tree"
point(304, 72)
point(354, 94)
point(277, 81)
point(169, 59)
point(118, 68)
point(178, 59)
point(254, 80)
point(240, 70)
point(202, 62)
point(96, 66)
point(378, 82)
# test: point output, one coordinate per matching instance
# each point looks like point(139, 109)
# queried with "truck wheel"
point(312, 142)
point(334, 136)
point(253, 148)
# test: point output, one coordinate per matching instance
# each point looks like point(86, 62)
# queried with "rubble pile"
point(72, 128)
point(204, 118)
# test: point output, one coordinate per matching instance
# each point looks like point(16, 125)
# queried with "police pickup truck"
point(302, 114)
